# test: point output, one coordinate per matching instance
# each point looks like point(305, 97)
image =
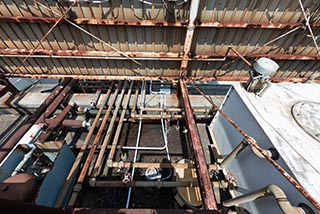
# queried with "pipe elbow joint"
point(282, 200)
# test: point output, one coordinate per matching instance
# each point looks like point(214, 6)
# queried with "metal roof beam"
point(194, 6)
point(82, 54)
point(151, 23)
point(147, 78)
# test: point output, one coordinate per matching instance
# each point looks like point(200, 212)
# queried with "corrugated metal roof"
point(136, 39)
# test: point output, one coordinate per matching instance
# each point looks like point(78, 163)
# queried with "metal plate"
point(307, 115)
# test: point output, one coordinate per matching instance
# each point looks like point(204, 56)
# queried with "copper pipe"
point(253, 143)
point(208, 197)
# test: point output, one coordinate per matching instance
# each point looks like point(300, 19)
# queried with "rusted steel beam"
point(139, 78)
point(194, 6)
point(81, 53)
point(143, 55)
point(93, 77)
point(146, 23)
point(257, 25)
point(244, 79)
point(7, 146)
point(256, 56)
point(208, 198)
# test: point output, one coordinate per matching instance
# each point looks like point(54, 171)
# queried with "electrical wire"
point(307, 19)
point(62, 16)
point(90, 34)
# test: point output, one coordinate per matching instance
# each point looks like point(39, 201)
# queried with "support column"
point(208, 198)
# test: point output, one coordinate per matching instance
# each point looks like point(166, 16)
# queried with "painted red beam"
point(143, 55)
point(146, 23)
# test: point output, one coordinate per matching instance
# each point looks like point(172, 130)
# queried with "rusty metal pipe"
point(85, 168)
point(56, 122)
point(154, 184)
point(84, 146)
point(7, 146)
point(158, 165)
point(98, 164)
point(119, 128)
point(206, 189)
point(56, 102)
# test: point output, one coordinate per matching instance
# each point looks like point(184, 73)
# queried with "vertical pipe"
point(208, 198)
point(119, 128)
point(76, 164)
point(143, 87)
point(97, 166)
point(95, 143)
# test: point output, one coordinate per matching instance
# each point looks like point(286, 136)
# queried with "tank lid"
point(265, 66)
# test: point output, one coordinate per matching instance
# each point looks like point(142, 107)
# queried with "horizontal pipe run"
point(156, 116)
point(140, 78)
point(151, 23)
point(195, 110)
point(169, 56)
point(157, 165)
point(155, 184)
point(269, 190)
